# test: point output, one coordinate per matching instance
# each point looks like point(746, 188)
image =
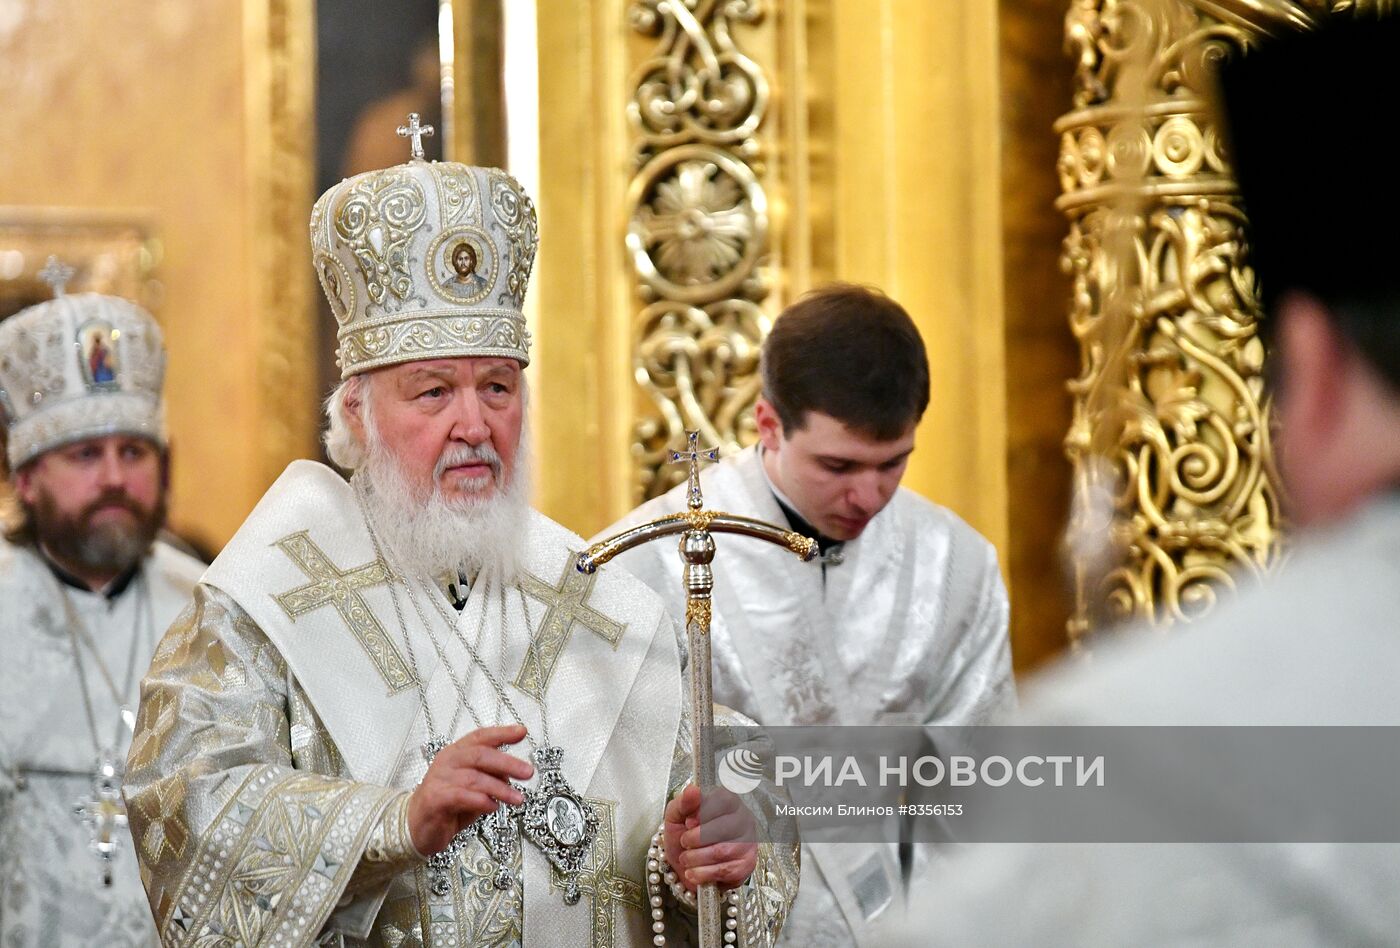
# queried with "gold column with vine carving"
point(279, 57)
point(1170, 437)
point(698, 234)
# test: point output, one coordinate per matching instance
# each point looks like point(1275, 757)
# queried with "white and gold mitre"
point(425, 260)
point(76, 367)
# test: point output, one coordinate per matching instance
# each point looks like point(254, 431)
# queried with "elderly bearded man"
point(366, 667)
point(85, 591)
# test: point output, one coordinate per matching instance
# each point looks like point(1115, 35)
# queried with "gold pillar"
point(278, 87)
point(471, 50)
point(1040, 353)
point(1170, 437)
point(588, 372)
point(697, 229)
point(579, 367)
point(906, 113)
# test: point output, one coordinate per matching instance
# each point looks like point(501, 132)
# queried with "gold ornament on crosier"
point(1170, 437)
point(697, 230)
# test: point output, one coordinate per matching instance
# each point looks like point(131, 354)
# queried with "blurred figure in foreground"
point(1319, 644)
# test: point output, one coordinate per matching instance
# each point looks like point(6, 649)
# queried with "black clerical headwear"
point(1312, 120)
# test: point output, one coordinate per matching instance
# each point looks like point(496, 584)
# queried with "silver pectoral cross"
point(104, 813)
point(416, 132)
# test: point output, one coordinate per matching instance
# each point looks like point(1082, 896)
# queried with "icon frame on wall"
point(115, 253)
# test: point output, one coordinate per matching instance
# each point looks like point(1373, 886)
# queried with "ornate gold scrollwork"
point(1171, 425)
point(697, 233)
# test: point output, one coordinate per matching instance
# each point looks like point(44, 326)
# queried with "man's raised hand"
point(466, 779)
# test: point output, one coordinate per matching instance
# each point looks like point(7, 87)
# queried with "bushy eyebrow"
point(423, 374)
point(497, 370)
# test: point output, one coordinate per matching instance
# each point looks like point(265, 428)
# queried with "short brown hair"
point(852, 353)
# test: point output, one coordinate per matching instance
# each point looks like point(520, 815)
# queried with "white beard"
point(482, 538)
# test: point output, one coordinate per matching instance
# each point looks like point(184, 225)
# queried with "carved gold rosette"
point(1171, 429)
point(697, 229)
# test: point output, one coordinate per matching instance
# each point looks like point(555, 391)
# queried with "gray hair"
point(345, 450)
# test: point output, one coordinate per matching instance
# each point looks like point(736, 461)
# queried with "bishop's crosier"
point(395, 711)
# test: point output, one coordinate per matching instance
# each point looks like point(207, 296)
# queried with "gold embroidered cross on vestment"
point(332, 586)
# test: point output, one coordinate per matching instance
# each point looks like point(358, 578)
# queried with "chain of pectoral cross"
point(103, 811)
point(78, 632)
point(495, 683)
point(436, 738)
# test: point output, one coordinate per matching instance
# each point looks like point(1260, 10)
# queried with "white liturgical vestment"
point(51, 881)
point(282, 728)
point(909, 627)
point(1316, 645)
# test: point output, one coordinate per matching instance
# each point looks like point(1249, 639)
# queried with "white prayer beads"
point(656, 860)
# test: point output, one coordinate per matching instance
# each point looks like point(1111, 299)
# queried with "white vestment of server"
point(1316, 645)
point(909, 628)
point(51, 890)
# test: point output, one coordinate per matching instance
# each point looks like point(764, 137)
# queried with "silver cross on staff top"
point(695, 527)
point(693, 455)
point(56, 274)
point(413, 130)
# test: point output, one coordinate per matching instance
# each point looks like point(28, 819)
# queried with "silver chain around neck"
point(78, 630)
point(501, 694)
point(502, 697)
point(435, 737)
